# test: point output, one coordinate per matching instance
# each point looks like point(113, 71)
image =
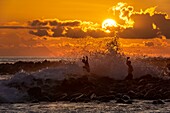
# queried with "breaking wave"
point(111, 63)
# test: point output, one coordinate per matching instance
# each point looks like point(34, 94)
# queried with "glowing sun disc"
point(109, 23)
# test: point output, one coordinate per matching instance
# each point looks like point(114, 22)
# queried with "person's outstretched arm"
point(87, 59)
point(127, 60)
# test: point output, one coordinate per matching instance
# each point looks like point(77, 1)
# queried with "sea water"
point(111, 65)
point(16, 100)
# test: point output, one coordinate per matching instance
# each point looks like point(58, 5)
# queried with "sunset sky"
point(89, 10)
point(36, 27)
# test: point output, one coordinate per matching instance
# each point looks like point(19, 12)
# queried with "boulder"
point(61, 97)
point(93, 96)
point(126, 97)
point(146, 77)
point(132, 94)
point(150, 94)
point(120, 100)
point(119, 95)
point(106, 98)
point(80, 98)
point(35, 92)
point(159, 101)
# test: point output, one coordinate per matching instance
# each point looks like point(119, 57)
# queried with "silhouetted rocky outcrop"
point(102, 89)
point(9, 68)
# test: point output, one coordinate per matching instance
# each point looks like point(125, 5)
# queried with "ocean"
point(19, 75)
point(14, 100)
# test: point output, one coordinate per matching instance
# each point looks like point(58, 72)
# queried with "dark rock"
point(106, 98)
point(166, 94)
point(80, 98)
point(39, 82)
point(93, 96)
point(119, 95)
point(35, 101)
point(48, 81)
point(46, 99)
point(9, 68)
point(75, 95)
point(146, 77)
point(120, 100)
point(141, 81)
point(62, 97)
point(35, 92)
point(149, 94)
point(129, 101)
point(159, 101)
point(156, 96)
point(140, 95)
point(126, 97)
point(132, 94)
point(2, 100)
point(167, 100)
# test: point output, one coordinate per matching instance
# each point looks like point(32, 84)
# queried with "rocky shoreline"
point(87, 88)
point(12, 68)
point(93, 88)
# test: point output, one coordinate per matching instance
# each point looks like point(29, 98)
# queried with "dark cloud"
point(98, 33)
point(38, 23)
point(39, 32)
point(54, 22)
point(64, 23)
point(69, 28)
point(75, 33)
point(24, 27)
point(130, 24)
point(70, 23)
point(57, 32)
point(162, 24)
point(143, 26)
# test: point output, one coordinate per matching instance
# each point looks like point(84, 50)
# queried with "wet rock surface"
point(102, 89)
point(10, 68)
point(159, 101)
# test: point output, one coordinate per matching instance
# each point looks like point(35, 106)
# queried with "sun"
point(108, 23)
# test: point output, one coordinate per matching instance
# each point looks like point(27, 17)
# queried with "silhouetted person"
point(86, 63)
point(130, 69)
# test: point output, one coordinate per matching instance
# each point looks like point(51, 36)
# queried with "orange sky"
point(74, 18)
point(89, 10)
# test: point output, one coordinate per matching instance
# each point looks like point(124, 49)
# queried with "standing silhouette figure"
point(130, 69)
point(86, 66)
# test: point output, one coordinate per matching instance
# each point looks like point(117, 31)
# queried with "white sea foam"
point(102, 64)
point(111, 66)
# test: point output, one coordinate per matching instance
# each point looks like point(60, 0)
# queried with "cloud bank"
point(130, 24)
point(69, 28)
point(141, 24)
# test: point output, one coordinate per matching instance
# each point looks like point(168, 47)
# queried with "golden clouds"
point(123, 11)
point(68, 28)
point(145, 23)
point(140, 24)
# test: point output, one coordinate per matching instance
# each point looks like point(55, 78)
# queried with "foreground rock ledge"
point(104, 89)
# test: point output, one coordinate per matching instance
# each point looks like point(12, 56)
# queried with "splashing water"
point(108, 60)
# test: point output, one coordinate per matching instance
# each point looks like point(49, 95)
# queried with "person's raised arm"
point(127, 60)
point(87, 59)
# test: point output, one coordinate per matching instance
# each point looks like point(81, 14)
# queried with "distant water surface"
point(11, 59)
